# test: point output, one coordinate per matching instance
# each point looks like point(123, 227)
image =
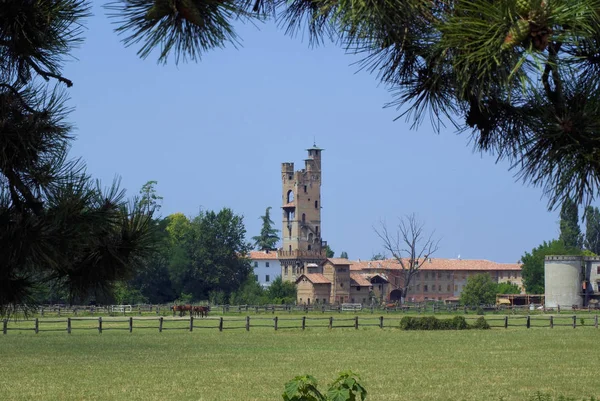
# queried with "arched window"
point(309, 247)
point(304, 217)
point(316, 204)
point(290, 196)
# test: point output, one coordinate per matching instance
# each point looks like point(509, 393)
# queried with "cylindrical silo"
point(563, 278)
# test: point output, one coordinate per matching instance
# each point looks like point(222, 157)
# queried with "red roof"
point(315, 278)
point(339, 261)
point(262, 255)
point(359, 280)
point(436, 264)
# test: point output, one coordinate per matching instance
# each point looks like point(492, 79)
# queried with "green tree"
point(533, 264)
point(480, 289)
point(149, 200)
point(522, 77)
point(508, 288)
point(329, 252)
point(268, 237)
point(281, 291)
point(344, 255)
point(58, 227)
point(378, 256)
point(592, 229)
point(570, 233)
point(250, 293)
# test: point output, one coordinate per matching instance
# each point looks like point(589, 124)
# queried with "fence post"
point(596, 321)
point(59, 312)
point(160, 324)
point(506, 322)
point(331, 322)
point(551, 322)
point(275, 323)
point(381, 322)
point(304, 322)
point(323, 309)
point(37, 326)
point(130, 324)
point(248, 323)
point(191, 322)
point(574, 321)
point(528, 321)
point(221, 324)
point(5, 326)
point(69, 325)
point(356, 322)
point(558, 308)
point(100, 325)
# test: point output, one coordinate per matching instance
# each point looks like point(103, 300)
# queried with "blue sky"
point(214, 134)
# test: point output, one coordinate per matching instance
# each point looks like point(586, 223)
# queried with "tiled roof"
point(436, 264)
point(339, 261)
point(262, 255)
point(359, 280)
point(315, 278)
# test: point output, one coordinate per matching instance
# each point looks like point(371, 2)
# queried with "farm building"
point(303, 259)
point(572, 281)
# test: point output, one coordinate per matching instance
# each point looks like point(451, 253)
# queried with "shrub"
point(480, 311)
point(431, 323)
point(481, 324)
point(345, 388)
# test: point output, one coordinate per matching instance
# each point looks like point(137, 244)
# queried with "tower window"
point(316, 204)
point(305, 189)
point(317, 230)
point(290, 196)
point(304, 217)
point(309, 247)
point(310, 237)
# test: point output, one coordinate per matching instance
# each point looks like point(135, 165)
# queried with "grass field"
point(209, 365)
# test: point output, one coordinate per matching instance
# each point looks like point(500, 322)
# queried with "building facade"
point(572, 281)
point(266, 266)
point(301, 217)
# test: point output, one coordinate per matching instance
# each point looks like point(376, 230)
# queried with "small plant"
point(481, 324)
point(345, 388)
point(582, 321)
point(479, 311)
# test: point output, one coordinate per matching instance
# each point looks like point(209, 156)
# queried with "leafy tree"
point(268, 237)
point(480, 289)
point(533, 264)
point(250, 293)
point(58, 227)
point(281, 291)
point(521, 76)
point(409, 245)
point(378, 256)
point(508, 288)
point(149, 200)
point(344, 255)
point(570, 233)
point(592, 229)
point(329, 252)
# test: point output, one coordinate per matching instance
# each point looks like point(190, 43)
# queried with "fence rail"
point(276, 323)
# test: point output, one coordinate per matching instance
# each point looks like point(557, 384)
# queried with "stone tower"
point(301, 230)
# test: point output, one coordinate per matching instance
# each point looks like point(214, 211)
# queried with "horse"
point(181, 309)
point(201, 311)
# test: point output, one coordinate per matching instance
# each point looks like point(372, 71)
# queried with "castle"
point(319, 279)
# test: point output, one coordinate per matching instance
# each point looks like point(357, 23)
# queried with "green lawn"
point(238, 365)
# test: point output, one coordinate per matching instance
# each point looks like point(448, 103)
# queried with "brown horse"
point(181, 309)
point(201, 311)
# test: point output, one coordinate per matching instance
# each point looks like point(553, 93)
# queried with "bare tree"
point(409, 245)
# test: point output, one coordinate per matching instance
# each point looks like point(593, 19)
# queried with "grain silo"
point(563, 277)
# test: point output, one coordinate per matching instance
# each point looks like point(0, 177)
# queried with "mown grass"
point(209, 365)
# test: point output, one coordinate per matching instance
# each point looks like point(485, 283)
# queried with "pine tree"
point(58, 227)
point(268, 238)
point(570, 233)
point(521, 76)
point(592, 229)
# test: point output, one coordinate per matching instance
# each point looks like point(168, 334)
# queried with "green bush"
point(432, 323)
point(481, 324)
point(345, 388)
point(479, 311)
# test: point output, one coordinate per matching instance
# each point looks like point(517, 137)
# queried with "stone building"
point(334, 280)
point(301, 220)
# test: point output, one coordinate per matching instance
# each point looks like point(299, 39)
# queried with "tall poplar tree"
point(570, 233)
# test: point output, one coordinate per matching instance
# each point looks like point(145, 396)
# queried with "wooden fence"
point(276, 323)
